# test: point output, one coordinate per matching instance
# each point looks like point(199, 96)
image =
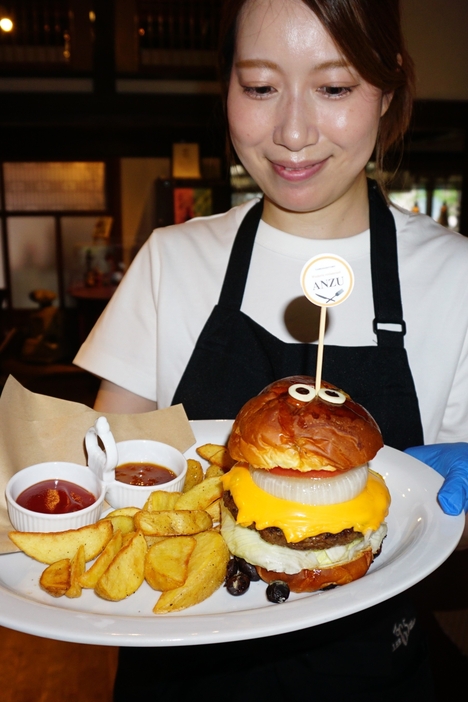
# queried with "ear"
point(386, 100)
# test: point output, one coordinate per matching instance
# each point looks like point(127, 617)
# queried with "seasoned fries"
point(214, 471)
point(171, 543)
point(126, 572)
point(56, 578)
point(173, 522)
point(206, 573)
point(122, 522)
point(77, 568)
point(194, 474)
point(214, 510)
point(201, 496)
point(123, 512)
point(219, 455)
point(160, 499)
point(52, 547)
point(90, 578)
point(166, 565)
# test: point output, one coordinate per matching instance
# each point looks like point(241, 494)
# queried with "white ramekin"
point(144, 451)
point(25, 520)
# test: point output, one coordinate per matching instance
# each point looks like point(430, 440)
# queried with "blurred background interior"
point(111, 124)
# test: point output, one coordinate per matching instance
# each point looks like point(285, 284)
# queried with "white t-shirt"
point(145, 337)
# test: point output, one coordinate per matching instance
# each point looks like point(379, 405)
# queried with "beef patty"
point(275, 535)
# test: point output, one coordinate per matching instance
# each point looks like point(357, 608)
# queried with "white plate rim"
point(421, 537)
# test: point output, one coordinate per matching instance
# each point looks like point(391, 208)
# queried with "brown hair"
point(368, 33)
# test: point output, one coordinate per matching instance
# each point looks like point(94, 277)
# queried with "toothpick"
point(318, 372)
point(327, 280)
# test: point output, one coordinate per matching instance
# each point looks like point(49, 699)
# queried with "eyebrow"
point(326, 65)
point(263, 63)
point(257, 63)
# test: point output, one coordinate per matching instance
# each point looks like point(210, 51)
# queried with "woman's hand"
point(451, 461)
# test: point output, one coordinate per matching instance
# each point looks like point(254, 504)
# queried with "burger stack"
point(301, 503)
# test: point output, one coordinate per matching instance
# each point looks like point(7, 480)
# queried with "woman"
point(312, 88)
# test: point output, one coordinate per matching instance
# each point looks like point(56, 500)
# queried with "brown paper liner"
point(36, 428)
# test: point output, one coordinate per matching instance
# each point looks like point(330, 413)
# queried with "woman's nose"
point(296, 126)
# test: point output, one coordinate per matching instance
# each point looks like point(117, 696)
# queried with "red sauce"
point(145, 474)
point(55, 497)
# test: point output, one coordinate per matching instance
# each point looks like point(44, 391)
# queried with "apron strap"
point(237, 270)
point(384, 267)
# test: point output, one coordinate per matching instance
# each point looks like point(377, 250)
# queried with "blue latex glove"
point(451, 461)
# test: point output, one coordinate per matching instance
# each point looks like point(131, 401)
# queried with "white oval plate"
point(420, 538)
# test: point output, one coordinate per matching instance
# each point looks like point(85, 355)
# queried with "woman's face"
point(301, 119)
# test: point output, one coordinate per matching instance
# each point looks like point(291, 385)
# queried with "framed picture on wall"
point(192, 202)
point(180, 200)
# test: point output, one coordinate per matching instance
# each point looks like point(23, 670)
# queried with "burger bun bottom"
point(322, 578)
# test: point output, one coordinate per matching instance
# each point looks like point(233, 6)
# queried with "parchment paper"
point(36, 428)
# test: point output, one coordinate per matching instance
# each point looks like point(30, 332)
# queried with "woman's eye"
point(259, 91)
point(335, 91)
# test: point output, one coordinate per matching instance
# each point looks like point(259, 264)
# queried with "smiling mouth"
point(298, 171)
point(298, 166)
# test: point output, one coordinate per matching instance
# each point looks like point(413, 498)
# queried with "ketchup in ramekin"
point(55, 497)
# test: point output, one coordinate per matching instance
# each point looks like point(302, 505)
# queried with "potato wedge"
point(219, 455)
point(55, 546)
point(214, 471)
point(125, 573)
point(202, 495)
point(206, 573)
point(166, 563)
point(173, 522)
point(214, 510)
point(77, 568)
point(161, 499)
point(122, 522)
point(56, 578)
point(127, 537)
point(194, 474)
point(91, 576)
point(208, 450)
point(122, 512)
point(151, 540)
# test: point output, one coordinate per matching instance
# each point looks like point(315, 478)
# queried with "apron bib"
point(235, 358)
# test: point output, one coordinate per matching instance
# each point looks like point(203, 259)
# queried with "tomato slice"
point(289, 473)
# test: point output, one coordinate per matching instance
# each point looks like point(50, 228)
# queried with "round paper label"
point(327, 280)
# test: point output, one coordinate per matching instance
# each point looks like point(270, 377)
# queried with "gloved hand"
point(451, 461)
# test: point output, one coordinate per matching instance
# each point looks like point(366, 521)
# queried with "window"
point(55, 228)
point(440, 198)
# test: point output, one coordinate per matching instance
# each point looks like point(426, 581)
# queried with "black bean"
point(249, 570)
point(238, 584)
point(277, 591)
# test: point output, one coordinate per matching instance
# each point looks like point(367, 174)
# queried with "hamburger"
point(301, 504)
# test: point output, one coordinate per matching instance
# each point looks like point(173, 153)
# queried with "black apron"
point(235, 358)
point(366, 656)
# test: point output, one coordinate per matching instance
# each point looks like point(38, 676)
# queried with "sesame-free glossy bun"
point(322, 578)
point(275, 429)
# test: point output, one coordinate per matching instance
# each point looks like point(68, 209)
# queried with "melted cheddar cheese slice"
point(297, 521)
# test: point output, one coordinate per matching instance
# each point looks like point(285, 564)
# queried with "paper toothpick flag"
point(327, 280)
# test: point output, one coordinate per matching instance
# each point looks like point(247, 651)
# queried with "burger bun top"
point(275, 429)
